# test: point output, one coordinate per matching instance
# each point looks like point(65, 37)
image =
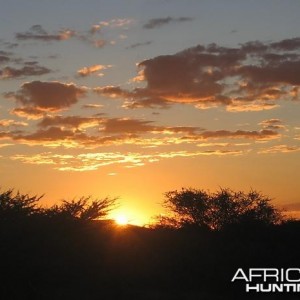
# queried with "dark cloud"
point(238, 134)
point(71, 121)
point(127, 126)
point(252, 76)
point(5, 56)
point(37, 32)
point(112, 91)
point(287, 44)
point(287, 72)
point(113, 125)
point(48, 96)
point(28, 70)
point(133, 46)
point(4, 59)
point(50, 134)
point(60, 132)
point(56, 136)
point(75, 131)
point(158, 22)
point(135, 126)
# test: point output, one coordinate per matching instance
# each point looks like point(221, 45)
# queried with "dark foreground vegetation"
point(71, 252)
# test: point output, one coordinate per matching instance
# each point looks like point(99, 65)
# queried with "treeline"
point(70, 251)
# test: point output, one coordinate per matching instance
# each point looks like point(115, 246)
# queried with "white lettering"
point(235, 277)
point(255, 287)
point(252, 273)
point(287, 275)
point(271, 273)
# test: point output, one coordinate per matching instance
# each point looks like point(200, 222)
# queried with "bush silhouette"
point(216, 211)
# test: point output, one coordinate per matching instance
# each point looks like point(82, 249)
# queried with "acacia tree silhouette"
point(216, 211)
point(17, 205)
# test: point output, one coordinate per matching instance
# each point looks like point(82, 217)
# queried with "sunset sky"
point(134, 98)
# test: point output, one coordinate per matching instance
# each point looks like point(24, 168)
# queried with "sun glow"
point(121, 220)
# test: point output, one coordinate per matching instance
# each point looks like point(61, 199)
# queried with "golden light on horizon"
point(121, 220)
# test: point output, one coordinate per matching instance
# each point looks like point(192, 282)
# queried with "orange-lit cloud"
point(242, 106)
point(281, 149)
point(94, 161)
point(115, 23)
point(272, 124)
point(30, 113)
point(252, 77)
point(94, 132)
point(86, 71)
point(9, 122)
point(92, 106)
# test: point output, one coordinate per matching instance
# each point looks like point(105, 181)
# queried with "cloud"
point(98, 34)
point(251, 77)
point(50, 134)
point(115, 126)
point(242, 106)
point(112, 91)
point(114, 23)
point(30, 113)
point(238, 134)
point(287, 44)
point(9, 123)
point(94, 161)
point(137, 98)
point(98, 131)
point(127, 126)
point(135, 126)
point(47, 96)
point(280, 149)
point(29, 70)
point(86, 71)
point(36, 32)
point(70, 121)
point(136, 45)
point(272, 124)
point(92, 106)
point(158, 22)
point(5, 145)
point(4, 58)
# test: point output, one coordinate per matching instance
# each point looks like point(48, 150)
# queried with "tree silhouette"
point(216, 211)
point(17, 205)
point(84, 209)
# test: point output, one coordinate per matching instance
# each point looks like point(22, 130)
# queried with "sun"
point(121, 220)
